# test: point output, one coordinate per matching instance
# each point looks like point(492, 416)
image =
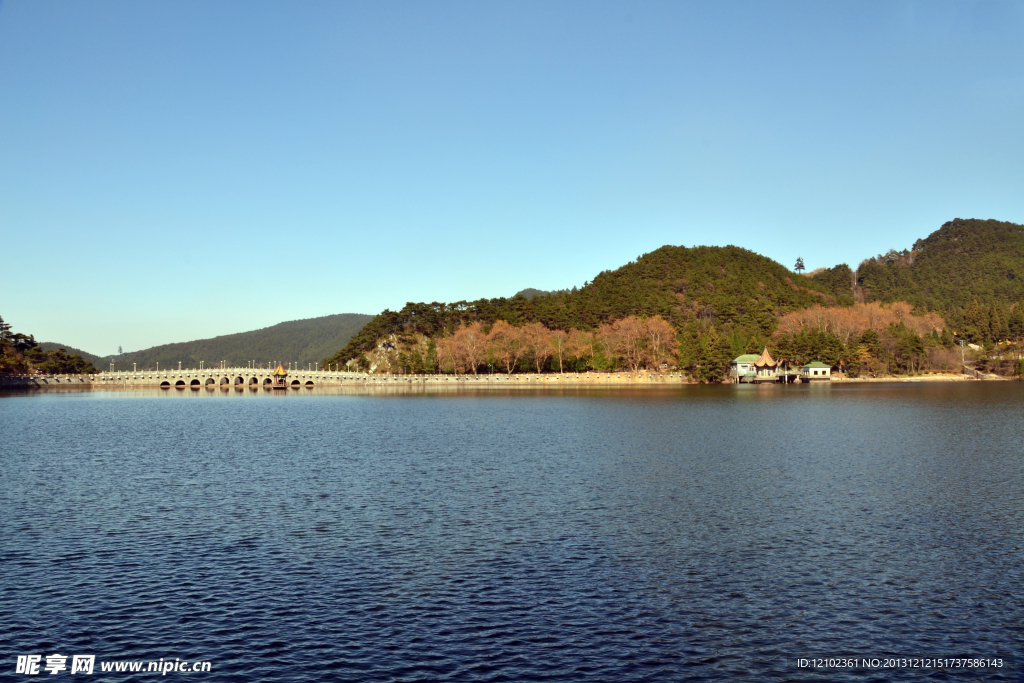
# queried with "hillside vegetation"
point(970, 271)
point(838, 280)
point(21, 354)
point(962, 261)
point(961, 284)
point(300, 341)
point(733, 290)
point(95, 360)
point(530, 292)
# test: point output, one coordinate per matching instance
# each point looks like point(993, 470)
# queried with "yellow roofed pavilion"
point(765, 367)
point(765, 361)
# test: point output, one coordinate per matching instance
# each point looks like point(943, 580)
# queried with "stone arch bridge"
point(225, 378)
point(208, 378)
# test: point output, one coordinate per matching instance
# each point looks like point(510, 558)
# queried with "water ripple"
point(693, 534)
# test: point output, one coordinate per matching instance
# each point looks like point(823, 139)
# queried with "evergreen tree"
point(999, 327)
point(1015, 322)
point(714, 359)
point(946, 338)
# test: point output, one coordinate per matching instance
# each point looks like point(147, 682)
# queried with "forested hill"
point(964, 261)
point(301, 341)
point(725, 285)
point(54, 346)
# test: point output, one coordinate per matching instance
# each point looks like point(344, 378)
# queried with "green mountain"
point(97, 361)
point(838, 280)
point(530, 292)
point(300, 341)
point(965, 260)
point(725, 286)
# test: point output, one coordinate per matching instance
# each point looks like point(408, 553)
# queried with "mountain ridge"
point(302, 341)
point(730, 285)
point(970, 271)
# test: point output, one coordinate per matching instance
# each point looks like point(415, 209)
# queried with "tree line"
point(863, 339)
point(20, 355)
point(729, 288)
point(632, 343)
point(960, 284)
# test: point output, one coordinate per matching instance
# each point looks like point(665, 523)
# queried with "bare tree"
point(624, 340)
point(538, 346)
point(850, 322)
point(662, 345)
point(559, 342)
point(582, 345)
point(447, 355)
point(507, 344)
point(471, 346)
point(639, 342)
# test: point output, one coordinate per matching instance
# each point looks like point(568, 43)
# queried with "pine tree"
point(998, 327)
point(976, 323)
point(714, 358)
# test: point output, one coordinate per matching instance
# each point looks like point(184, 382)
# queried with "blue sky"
point(174, 171)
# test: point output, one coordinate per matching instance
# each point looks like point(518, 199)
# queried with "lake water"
point(694, 533)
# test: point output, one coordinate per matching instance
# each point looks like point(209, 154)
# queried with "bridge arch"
point(309, 384)
point(165, 385)
point(295, 384)
point(180, 384)
point(239, 380)
point(194, 384)
point(224, 380)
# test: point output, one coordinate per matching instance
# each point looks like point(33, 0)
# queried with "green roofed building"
point(742, 367)
point(816, 372)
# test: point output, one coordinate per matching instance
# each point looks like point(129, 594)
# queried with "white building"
point(815, 372)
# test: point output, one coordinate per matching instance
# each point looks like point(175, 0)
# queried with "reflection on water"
point(516, 533)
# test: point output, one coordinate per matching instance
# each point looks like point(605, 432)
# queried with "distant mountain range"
point(298, 341)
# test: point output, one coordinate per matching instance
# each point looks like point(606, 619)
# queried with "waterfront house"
point(786, 372)
point(765, 369)
point(742, 367)
point(816, 372)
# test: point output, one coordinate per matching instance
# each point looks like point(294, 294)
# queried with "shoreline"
point(623, 380)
